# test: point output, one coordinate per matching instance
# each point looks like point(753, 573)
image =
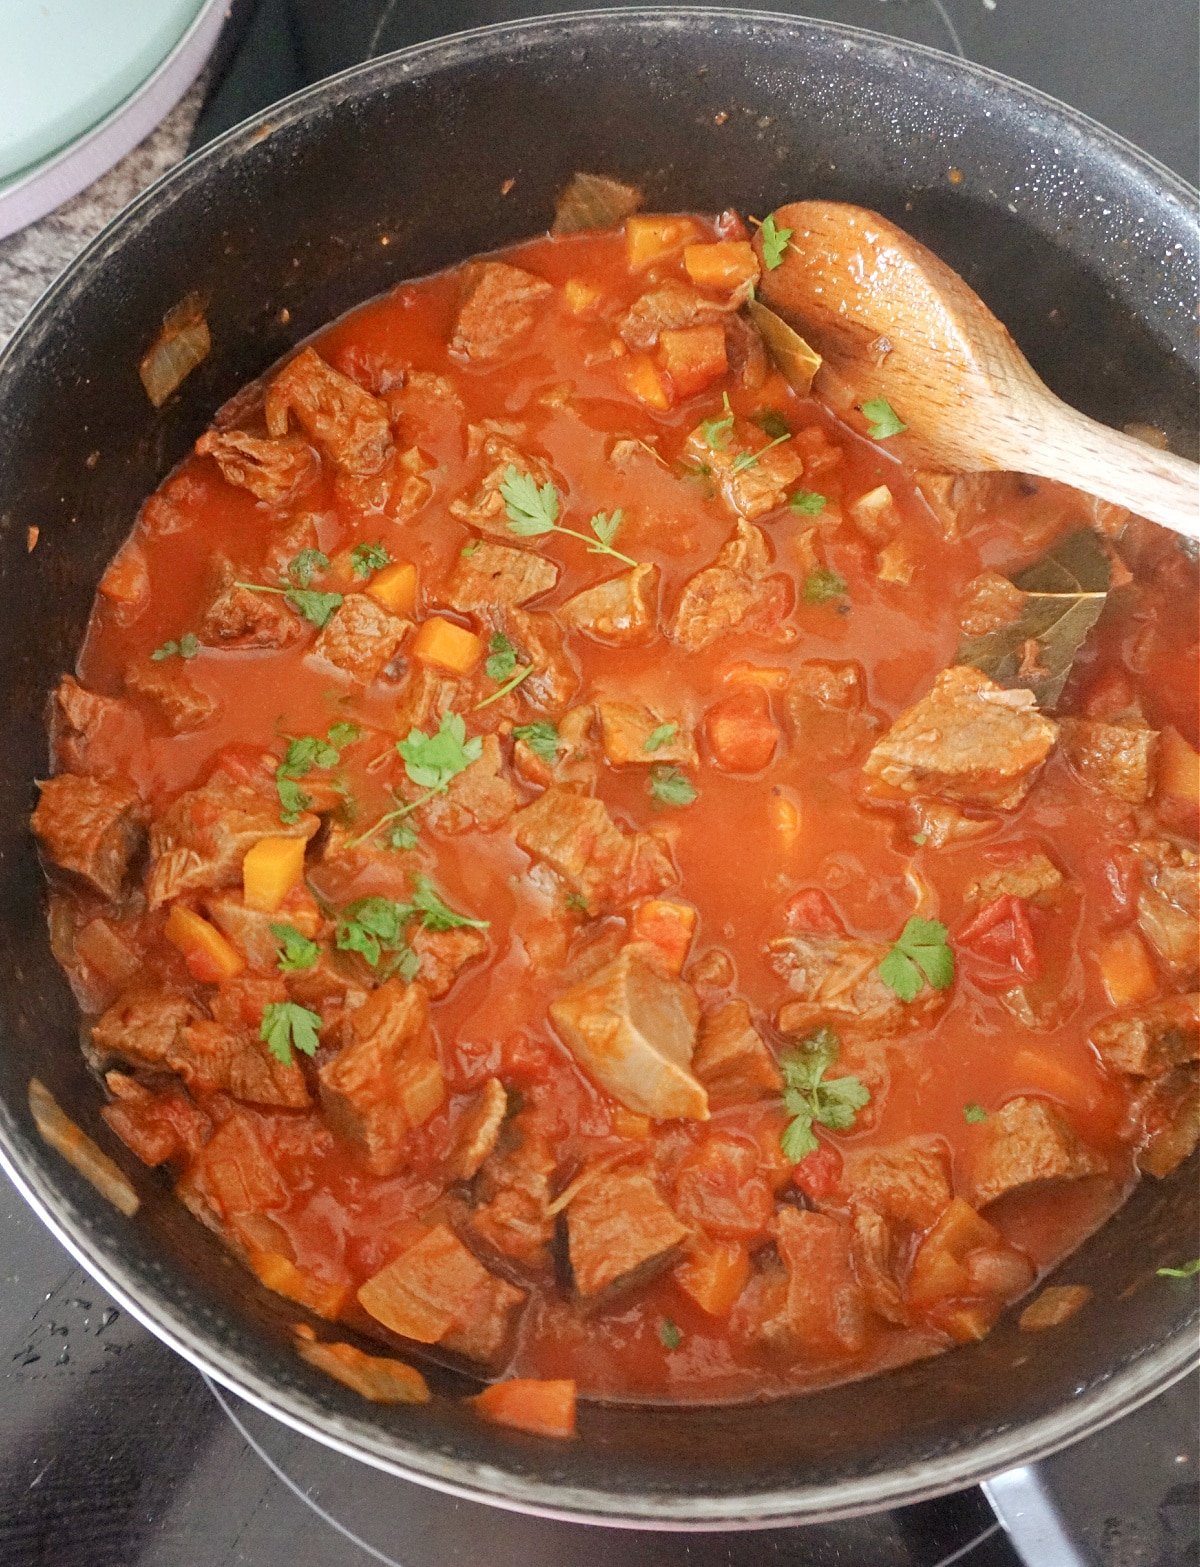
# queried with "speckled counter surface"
point(31, 259)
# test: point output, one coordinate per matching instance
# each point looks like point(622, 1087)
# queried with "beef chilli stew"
point(575, 857)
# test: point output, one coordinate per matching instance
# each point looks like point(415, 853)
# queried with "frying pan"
point(1086, 249)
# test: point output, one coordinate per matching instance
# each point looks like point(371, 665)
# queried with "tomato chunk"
point(741, 732)
point(1002, 935)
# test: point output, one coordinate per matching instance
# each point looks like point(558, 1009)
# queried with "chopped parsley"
point(1185, 1270)
point(470, 548)
point(807, 503)
point(303, 754)
point(315, 607)
point(286, 1025)
point(502, 657)
point(533, 510)
point(304, 567)
point(187, 647)
point(715, 433)
point(670, 1333)
point(671, 787)
point(366, 558)
point(432, 761)
point(973, 1114)
point(921, 954)
point(812, 1099)
point(920, 839)
point(376, 927)
point(822, 585)
point(745, 460)
point(771, 422)
point(296, 951)
point(435, 913)
point(541, 738)
point(882, 419)
point(774, 243)
point(659, 737)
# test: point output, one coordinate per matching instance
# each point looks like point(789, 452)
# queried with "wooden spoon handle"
point(1091, 457)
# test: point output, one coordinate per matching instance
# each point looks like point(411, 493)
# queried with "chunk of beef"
point(1033, 877)
point(943, 824)
point(1029, 1142)
point(143, 1027)
point(199, 842)
point(668, 307)
point(908, 1182)
point(443, 954)
point(397, 491)
point(496, 574)
point(90, 827)
point(513, 1216)
point(620, 611)
point(633, 1029)
point(751, 490)
point(732, 1060)
point(386, 1079)
point(361, 638)
point(156, 1126)
point(990, 603)
point(499, 305)
point(86, 727)
point(1149, 1041)
point(1118, 758)
point(214, 1058)
point(248, 929)
point(481, 798)
point(626, 731)
point(425, 697)
point(476, 1130)
point(1164, 1118)
point(234, 1174)
point(721, 1187)
point(836, 979)
point(826, 703)
point(574, 763)
point(825, 1312)
point(239, 617)
point(540, 641)
point(184, 706)
point(273, 471)
point(734, 592)
point(620, 1232)
point(436, 1292)
point(873, 1249)
point(968, 739)
point(577, 838)
point(486, 509)
point(346, 422)
point(1168, 904)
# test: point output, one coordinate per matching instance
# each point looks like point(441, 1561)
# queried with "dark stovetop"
point(115, 1453)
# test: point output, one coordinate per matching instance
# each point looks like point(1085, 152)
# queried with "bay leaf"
point(1064, 594)
point(594, 201)
point(795, 360)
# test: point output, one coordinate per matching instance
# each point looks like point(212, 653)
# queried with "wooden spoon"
point(895, 322)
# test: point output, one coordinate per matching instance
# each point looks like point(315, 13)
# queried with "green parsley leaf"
point(343, 733)
point(315, 607)
point(286, 1024)
point(403, 963)
point(808, 503)
point(771, 422)
point(434, 913)
point(296, 951)
point(973, 1114)
point(921, 953)
point(502, 657)
point(403, 836)
point(372, 926)
point(659, 737)
point(604, 525)
point(530, 510)
point(920, 839)
point(187, 647)
point(745, 460)
point(882, 419)
point(812, 1099)
point(670, 1333)
point(774, 243)
point(671, 787)
point(715, 433)
point(576, 902)
point(470, 548)
point(167, 650)
point(366, 558)
point(304, 567)
point(1185, 1270)
point(822, 585)
point(431, 761)
point(293, 801)
point(541, 738)
point(303, 754)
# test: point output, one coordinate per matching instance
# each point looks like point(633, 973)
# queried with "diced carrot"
point(544, 1408)
point(1042, 1072)
point(580, 296)
point(452, 647)
point(741, 732)
point(714, 1273)
point(208, 955)
point(769, 677)
point(667, 926)
point(938, 1270)
point(649, 238)
point(729, 264)
point(693, 356)
point(271, 868)
point(1127, 969)
point(786, 816)
point(395, 587)
point(627, 1123)
point(1178, 767)
point(644, 380)
point(381, 1378)
point(278, 1273)
point(126, 581)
